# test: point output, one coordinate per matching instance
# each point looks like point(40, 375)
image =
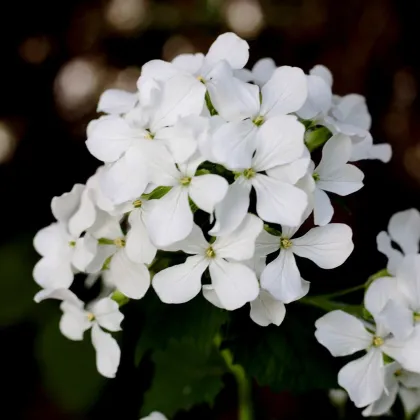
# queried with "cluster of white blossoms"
point(202, 162)
point(389, 333)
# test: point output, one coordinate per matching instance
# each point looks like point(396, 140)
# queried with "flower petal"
point(171, 219)
point(266, 244)
point(343, 181)
point(285, 92)
point(180, 283)
point(116, 101)
point(279, 202)
point(108, 352)
point(408, 280)
point(266, 310)
point(53, 273)
point(323, 72)
point(107, 314)
point(262, 71)
point(282, 278)
point(191, 63)
point(404, 228)
point(52, 241)
point(383, 242)
point(323, 209)
point(380, 292)
point(210, 294)
point(335, 154)
point(240, 244)
point(319, 98)
point(74, 322)
point(292, 172)
point(64, 206)
point(279, 141)
point(363, 379)
point(327, 246)
point(234, 283)
point(85, 215)
point(229, 47)
point(194, 243)
point(342, 334)
point(208, 190)
point(131, 279)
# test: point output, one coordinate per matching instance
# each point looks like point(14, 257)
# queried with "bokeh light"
point(176, 45)
point(245, 17)
point(8, 142)
point(35, 50)
point(126, 15)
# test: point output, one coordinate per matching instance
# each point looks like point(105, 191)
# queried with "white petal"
point(59, 294)
point(409, 379)
point(139, 247)
point(109, 138)
point(194, 243)
point(285, 92)
point(180, 283)
point(379, 293)
point(53, 273)
point(383, 242)
point(64, 206)
point(116, 101)
point(279, 141)
point(126, 179)
point(323, 72)
point(189, 168)
point(266, 310)
point(52, 241)
point(410, 400)
point(397, 318)
point(282, 279)
point(208, 190)
point(210, 294)
point(155, 416)
point(85, 215)
point(335, 154)
point(352, 110)
point(363, 378)
point(343, 181)
point(231, 211)
point(323, 210)
point(85, 251)
point(171, 219)
point(266, 243)
point(131, 279)
point(108, 352)
point(229, 47)
point(319, 98)
point(159, 70)
point(279, 202)
point(182, 95)
point(107, 314)
point(292, 172)
point(73, 323)
point(342, 334)
point(239, 244)
point(234, 143)
point(262, 70)
point(190, 63)
point(404, 228)
point(408, 280)
point(327, 246)
point(234, 283)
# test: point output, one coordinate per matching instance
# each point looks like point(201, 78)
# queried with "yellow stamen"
point(377, 341)
point(90, 316)
point(416, 317)
point(201, 79)
point(248, 173)
point(185, 181)
point(210, 252)
point(285, 243)
point(119, 242)
point(258, 120)
point(137, 203)
point(72, 244)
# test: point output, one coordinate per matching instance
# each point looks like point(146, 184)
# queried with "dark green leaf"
point(185, 375)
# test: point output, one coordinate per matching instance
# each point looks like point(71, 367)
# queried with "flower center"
point(201, 79)
point(210, 252)
point(248, 173)
point(72, 244)
point(258, 120)
point(119, 242)
point(149, 135)
point(285, 243)
point(316, 177)
point(90, 316)
point(137, 203)
point(377, 341)
point(185, 181)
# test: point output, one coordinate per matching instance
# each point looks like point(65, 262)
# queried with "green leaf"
point(157, 193)
point(68, 368)
point(185, 375)
point(17, 259)
point(197, 318)
point(287, 357)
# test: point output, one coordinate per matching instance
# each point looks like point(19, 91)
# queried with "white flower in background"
point(327, 246)
point(404, 230)
point(97, 316)
point(171, 219)
point(235, 142)
point(364, 378)
point(154, 416)
point(260, 74)
point(279, 145)
point(333, 174)
point(410, 398)
point(131, 145)
point(233, 282)
point(395, 379)
point(215, 71)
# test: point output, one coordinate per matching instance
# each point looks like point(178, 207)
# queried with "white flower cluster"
point(390, 334)
point(182, 158)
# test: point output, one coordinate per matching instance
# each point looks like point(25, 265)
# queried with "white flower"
point(285, 92)
point(266, 310)
point(334, 174)
point(327, 246)
point(234, 283)
point(132, 145)
point(215, 71)
point(99, 315)
point(155, 416)
point(364, 378)
point(171, 219)
point(279, 145)
point(404, 230)
point(260, 74)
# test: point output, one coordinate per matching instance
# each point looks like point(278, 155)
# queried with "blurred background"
point(56, 59)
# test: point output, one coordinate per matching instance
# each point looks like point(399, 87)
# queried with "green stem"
point(344, 292)
point(243, 383)
point(328, 305)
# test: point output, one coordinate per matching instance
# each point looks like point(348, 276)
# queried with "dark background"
point(56, 59)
